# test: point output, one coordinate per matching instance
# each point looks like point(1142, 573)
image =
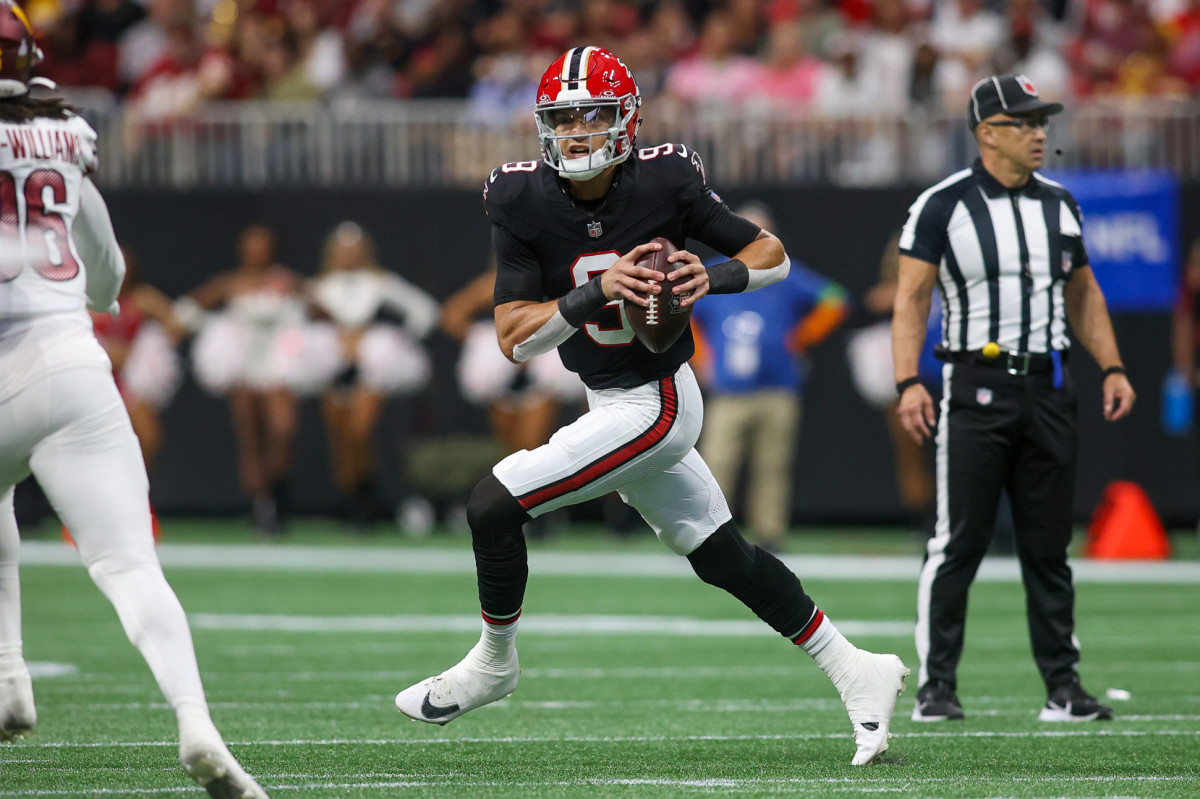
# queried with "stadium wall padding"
point(439, 239)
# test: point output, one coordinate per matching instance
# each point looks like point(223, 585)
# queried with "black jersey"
point(546, 244)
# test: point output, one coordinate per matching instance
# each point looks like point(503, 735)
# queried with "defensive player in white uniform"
point(568, 232)
point(61, 416)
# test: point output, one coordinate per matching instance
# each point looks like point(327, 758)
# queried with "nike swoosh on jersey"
point(432, 711)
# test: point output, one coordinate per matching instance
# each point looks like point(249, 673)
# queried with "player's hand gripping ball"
point(661, 323)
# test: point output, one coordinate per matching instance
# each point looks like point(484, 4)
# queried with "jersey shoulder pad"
point(675, 162)
point(506, 184)
point(87, 158)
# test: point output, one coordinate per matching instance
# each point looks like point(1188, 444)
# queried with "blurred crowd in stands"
point(162, 58)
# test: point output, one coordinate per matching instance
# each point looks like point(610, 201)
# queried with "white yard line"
point(1090, 732)
point(266, 557)
point(371, 781)
point(540, 623)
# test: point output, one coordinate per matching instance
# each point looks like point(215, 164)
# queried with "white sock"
point(831, 651)
point(194, 721)
point(496, 643)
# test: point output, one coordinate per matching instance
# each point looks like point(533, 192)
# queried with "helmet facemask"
point(613, 119)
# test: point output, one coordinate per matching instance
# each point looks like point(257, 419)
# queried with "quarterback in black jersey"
point(568, 232)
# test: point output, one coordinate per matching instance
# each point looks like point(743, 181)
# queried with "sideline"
point(274, 557)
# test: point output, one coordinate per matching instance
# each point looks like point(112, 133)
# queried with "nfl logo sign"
point(983, 396)
point(594, 230)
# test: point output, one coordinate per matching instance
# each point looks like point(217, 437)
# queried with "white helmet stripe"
point(575, 66)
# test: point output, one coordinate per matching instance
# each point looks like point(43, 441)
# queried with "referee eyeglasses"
point(1024, 124)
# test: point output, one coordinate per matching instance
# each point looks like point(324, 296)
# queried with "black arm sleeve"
point(518, 273)
point(720, 228)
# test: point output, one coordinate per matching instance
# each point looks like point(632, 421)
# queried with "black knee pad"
point(493, 513)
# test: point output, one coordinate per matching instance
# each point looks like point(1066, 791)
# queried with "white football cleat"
point(870, 698)
point(209, 763)
point(470, 684)
point(17, 712)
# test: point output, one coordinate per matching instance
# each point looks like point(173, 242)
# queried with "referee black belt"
point(1015, 363)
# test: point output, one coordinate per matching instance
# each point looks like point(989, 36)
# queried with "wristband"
point(578, 305)
point(1114, 370)
point(730, 277)
point(906, 384)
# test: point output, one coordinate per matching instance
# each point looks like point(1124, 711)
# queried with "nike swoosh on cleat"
point(432, 711)
point(870, 725)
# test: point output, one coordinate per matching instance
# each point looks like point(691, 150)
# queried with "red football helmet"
point(19, 53)
point(594, 83)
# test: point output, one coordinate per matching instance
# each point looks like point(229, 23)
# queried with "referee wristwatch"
point(906, 384)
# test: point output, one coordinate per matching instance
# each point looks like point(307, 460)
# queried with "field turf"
point(638, 680)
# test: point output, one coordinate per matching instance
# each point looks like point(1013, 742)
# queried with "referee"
point(1005, 246)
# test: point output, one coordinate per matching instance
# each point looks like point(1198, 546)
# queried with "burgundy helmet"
point(19, 53)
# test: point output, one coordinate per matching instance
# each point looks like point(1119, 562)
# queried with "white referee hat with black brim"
point(1014, 95)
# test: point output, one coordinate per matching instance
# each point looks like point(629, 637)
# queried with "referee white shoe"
point(17, 712)
point(473, 682)
point(870, 697)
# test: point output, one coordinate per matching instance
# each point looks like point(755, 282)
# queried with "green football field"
point(638, 680)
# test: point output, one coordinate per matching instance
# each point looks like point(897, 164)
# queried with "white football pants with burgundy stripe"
point(639, 442)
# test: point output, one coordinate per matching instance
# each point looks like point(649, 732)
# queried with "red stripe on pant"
point(617, 458)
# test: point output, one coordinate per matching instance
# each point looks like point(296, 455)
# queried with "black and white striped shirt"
point(1003, 256)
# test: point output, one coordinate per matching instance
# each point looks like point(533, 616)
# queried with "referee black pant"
point(1017, 432)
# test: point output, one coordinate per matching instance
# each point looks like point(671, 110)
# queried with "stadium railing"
point(439, 143)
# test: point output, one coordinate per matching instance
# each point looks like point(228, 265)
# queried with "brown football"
point(662, 322)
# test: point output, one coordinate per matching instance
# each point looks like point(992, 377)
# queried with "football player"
point(568, 232)
point(61, 415)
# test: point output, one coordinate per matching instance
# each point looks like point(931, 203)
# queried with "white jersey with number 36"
point(43, 165)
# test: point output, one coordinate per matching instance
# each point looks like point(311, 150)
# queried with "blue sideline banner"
point(1131, 229)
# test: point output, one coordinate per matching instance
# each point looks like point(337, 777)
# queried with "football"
point(661, 323)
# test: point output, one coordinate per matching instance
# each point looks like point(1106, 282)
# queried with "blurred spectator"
point(1031, 47)
point(842, 87)
point(1116, 49)
point(285, 77)
point(380, 358)
point(506, 75)
point(318, 47)
point(109, 20)
point(1183, 34)
point(442, 67)
point(144, 42)
point(187, 74)
point(887, 55)
point(73, 58)
point(817, 20)
point(748, 24)
point(556, 26)
point(717, 76)
point(259, 352)
point(789, 74)
point(966, 32)
point(754, 351)
point(141, 342)
point(605, 23)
